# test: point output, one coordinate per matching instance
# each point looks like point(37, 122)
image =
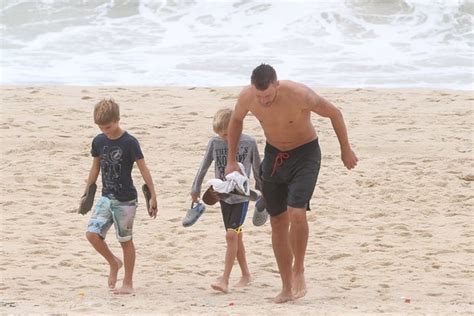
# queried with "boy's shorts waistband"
point(111, 197)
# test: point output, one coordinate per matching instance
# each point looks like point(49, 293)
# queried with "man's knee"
point(280, 221)
point(297, 215)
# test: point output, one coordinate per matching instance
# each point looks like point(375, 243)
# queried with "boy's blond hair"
point(106, 111)
point(221, 120)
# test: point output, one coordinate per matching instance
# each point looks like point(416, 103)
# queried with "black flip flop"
point(87, 200)
point(147, 194)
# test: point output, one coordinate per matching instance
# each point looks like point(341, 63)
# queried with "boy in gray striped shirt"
point(234, 208)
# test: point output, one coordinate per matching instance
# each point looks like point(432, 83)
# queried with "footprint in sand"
point(36, 266)
point(469, 177)
point(229, 97)
point(174, 220)
point(339, 256)
point(65, 263)
point(50, 186)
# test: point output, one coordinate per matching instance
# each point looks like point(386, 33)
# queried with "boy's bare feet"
point(283, 297)
point(299, 285)
point(125, 289)
point(220, 285)
point(114, 268)
point(244, 281)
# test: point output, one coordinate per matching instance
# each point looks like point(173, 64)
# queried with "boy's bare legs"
point(299, 241)
point(129, 264)
point(222, 283)
point(283, 254)
point(245, 278)
point(101, 247)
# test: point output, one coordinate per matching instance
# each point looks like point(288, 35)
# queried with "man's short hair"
point(263, 76)
point(221, 120)
point(106, 111)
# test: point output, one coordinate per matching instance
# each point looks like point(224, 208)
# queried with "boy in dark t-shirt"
point(114, 152)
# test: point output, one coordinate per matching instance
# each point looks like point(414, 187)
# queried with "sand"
point(393, 236)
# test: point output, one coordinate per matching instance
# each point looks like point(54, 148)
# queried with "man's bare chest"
point(278, 115)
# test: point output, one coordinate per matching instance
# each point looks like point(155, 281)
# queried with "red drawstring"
point(279, 161)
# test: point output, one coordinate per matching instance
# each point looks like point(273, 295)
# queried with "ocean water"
point(323, 43)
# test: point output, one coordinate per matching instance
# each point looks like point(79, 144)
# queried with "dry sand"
point(398, 226)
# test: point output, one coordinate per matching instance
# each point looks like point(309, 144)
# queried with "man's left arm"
point(324, 108)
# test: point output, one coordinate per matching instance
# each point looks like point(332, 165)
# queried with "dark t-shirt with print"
point(117, 157)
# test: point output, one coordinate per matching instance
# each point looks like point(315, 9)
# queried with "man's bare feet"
point(299, 285)
point(220, 285)
point(125, 289)
point(283, 297)
point(244, 281)
point(114, 268)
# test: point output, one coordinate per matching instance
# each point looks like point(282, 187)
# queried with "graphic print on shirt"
point(111, 165)
point(221, 157)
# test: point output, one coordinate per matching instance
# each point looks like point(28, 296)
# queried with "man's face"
point(267, 96)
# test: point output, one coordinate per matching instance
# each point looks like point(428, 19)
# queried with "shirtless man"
point(291, 164)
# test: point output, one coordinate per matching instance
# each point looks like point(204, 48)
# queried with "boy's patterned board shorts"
point(111, 211)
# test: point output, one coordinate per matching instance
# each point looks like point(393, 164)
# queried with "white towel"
point(235, 181)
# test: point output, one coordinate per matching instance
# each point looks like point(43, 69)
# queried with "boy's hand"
point(195, 197)
point(150, 198)
point(153, 208)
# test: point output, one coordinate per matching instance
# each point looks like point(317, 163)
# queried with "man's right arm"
point(324, 108)
point(234, 131)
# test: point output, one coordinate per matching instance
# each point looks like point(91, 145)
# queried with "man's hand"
point(349, 158)
point(231, 167)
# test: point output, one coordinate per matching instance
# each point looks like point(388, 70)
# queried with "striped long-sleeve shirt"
point(217, 149)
